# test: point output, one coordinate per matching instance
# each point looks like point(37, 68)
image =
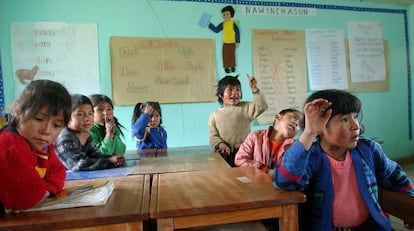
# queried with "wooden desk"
point(126, 209)
point(176, 151)
point(179, 163)
point(184, 151)
point(140, 153)
point(210, 197)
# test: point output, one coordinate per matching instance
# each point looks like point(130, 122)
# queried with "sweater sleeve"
point(106, 145)
point(214, 134)
point(237, 32)
point(389, 173)
point(93, 159)
point(258, 106)
point(69, 152)
point(292, 170)
point(119, 145)
point(98, 137)
point(56, 173)
point(138, 128)
point(245, 155)
point(20, 184)
point(217, 28)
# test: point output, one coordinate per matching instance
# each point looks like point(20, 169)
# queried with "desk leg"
point(166, 224)
point(289, 220)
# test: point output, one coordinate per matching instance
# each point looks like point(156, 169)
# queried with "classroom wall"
point(386, 115)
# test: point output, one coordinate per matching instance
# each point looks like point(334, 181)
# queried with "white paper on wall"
point(366, 51)
point(62, 52)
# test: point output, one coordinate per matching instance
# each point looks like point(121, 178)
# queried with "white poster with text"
point(62, 52)
point(366, 51)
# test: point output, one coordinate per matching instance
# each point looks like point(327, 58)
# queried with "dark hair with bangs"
point(38, 94)
point(140, 108)
point(284, 111)
point(342, 102)
point(228, 8)
point(223, 83)
point(292, 110)
point(78, 100)
point(99, 98)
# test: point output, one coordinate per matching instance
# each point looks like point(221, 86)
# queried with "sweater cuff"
point(264, 168)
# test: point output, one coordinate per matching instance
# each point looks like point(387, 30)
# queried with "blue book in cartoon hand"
point(204, 20)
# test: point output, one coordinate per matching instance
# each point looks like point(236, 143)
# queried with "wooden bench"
point(398, 204)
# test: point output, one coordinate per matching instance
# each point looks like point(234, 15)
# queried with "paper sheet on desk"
point(104, 173)
point(94, 195)
point(244, 179)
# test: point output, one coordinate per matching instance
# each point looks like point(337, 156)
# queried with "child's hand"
point(109, 126)
point(252, 83)
point(117, 160)
point(223, 149)
point(317, 115)
point(148, 109)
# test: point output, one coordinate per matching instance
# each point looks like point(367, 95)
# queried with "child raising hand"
point(230, 124)
point(147, 128)
point(338, 169)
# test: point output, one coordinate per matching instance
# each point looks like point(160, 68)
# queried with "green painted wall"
point(385, 114)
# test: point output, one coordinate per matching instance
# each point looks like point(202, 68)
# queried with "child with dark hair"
point(337, 169)
point(231, 38)
point(147, 128)
point(74, 145)
point(30, 170)
point(263, 148)
point(229, 125)
point(106, 131)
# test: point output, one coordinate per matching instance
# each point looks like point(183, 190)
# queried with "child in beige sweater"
point(229, 125)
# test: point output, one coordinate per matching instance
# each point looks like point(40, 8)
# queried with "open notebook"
point(93, 194)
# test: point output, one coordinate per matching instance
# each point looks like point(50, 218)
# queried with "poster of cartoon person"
point(231, 38)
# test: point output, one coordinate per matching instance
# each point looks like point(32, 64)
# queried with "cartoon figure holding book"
point(231, 38)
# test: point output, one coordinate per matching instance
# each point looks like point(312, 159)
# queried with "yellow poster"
point(167, 70)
